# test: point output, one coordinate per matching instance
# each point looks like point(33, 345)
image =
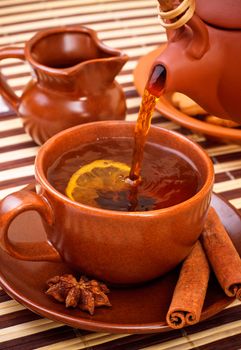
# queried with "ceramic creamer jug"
point(203, 55)
point(73, 81)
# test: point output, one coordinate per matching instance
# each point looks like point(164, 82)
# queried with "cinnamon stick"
point(222, 255)
point(190, 291)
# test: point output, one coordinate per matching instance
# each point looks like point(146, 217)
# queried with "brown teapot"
point(203, 57)
point(73, 81)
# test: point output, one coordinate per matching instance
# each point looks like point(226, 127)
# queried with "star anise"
point(86, 294)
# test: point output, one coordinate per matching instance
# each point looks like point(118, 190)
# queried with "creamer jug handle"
point(6, 91)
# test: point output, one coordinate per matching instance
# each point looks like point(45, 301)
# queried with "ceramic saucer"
point(166, 108)
point(134, 310)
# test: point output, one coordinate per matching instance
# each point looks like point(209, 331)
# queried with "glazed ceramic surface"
point(202, 59)
point(165, 107)
point(225, 14)
point(134, 310)
point(73, 81)
point(118, 247)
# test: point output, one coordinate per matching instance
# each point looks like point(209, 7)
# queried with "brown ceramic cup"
point(117, 247)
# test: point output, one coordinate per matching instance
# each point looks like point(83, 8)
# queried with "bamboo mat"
point(133, 27)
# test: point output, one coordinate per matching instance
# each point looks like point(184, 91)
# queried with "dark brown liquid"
point(152, 92)
point(141, 130)
point(167, 177)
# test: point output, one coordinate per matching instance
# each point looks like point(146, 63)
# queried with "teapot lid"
point(224, 14)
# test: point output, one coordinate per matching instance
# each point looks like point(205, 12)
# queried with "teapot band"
point(185, 9)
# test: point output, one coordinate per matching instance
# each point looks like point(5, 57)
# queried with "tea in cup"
point(97, 174)
point(92, 221)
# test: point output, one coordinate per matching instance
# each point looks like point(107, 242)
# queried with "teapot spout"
point(157, 80)
point(179, 72)
point(166, 73)
point(187, 47)
point(169, 70)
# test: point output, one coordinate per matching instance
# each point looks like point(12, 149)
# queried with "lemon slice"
point(102, 175)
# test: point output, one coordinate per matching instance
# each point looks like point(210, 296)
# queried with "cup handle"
point(7, 92)
point(10, 207)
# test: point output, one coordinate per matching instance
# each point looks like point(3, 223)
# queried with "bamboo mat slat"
point(69, 10)
point(84, 20)
point(33, 6)
point(133, 27)
point(104, 27)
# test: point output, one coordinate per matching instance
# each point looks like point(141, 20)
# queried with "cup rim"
point(45, 184)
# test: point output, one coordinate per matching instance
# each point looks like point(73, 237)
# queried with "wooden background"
point(133, 27)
